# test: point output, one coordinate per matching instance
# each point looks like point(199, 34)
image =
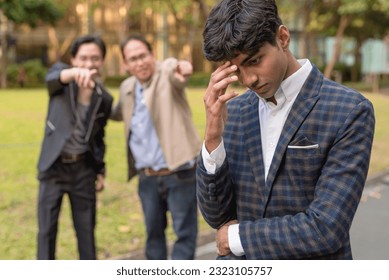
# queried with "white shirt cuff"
point(234, 240)
point(215, 159)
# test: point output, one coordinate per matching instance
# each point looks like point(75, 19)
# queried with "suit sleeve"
point(215, 195)
point(52, 79)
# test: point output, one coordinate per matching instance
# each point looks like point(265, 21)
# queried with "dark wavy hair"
point(239, 26)
point(86, 40)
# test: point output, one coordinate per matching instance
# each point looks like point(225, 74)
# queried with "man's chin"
point(143, 78)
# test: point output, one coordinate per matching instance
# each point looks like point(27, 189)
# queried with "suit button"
point(211, 188)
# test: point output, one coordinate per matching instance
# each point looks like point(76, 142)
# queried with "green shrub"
point(199, 79)
point(35, 73)
point(12, 75)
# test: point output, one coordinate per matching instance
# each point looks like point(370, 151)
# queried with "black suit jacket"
point(60, 121)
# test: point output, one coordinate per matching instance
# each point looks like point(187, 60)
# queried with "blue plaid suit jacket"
point(305, 208)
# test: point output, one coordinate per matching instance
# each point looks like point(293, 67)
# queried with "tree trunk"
point(56, 49)
point(203, 8)
point(344, 21)
point(306, 33)
point(355, 70)
point(376, 83)
point(192, 31)
point(53, 45)
point(4, 49)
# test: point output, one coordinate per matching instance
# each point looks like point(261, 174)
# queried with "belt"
point(150, 172)
point(71, 158)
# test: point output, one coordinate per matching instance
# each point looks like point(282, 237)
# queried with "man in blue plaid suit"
point(283, 165)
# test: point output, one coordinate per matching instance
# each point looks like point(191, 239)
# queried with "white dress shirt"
point(272, 118)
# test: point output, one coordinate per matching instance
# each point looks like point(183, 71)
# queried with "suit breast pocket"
point(303, 165)
point(305, 158)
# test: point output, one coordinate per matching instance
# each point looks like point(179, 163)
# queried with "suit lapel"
point(251, 126)
point(303, 104)
point(73, 98)
point(96, 100)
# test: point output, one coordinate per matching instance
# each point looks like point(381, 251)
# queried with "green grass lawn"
point(120, 226)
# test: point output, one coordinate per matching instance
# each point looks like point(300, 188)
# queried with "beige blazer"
point(166, 100)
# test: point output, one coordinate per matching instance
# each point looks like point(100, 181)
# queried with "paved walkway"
point(370, 228)
point(206, 249)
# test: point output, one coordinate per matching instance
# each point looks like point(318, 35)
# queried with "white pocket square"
point(315, 146)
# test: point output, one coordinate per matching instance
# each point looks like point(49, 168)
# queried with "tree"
point(373, 24)
point(175, 24)
point(354, 18)
point(29, 12)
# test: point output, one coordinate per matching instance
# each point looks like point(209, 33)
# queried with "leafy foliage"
point(31, 11)
point(35, 73)
point(368, 17)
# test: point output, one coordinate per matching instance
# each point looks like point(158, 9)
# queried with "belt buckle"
point(70, 158)
point(151, 172)
point(147, 171)
point(66, 160)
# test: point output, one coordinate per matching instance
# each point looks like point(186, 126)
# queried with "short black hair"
point(136, 37)
point(86, 40)
point(239, 26)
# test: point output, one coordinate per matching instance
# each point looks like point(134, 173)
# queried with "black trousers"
point(78, 181)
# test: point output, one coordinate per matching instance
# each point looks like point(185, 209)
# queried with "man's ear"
point(283, 36)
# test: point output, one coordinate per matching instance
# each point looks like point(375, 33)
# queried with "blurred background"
point(347, 39)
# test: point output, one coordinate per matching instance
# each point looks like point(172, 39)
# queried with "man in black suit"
point(72, 156)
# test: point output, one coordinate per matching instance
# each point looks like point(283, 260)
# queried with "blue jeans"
point(175, 193)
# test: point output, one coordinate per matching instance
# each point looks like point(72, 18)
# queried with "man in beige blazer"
point(162, 144)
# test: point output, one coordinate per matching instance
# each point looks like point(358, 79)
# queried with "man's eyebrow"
point(246, 59)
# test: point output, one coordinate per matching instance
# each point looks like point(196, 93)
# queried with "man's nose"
point(89, 63)
point(247, 78)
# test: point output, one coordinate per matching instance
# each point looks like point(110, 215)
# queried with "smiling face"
point(90, 56)
point(264, 71)
point(138, 60)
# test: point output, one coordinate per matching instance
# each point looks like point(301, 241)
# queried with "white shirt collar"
point(291, 86)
